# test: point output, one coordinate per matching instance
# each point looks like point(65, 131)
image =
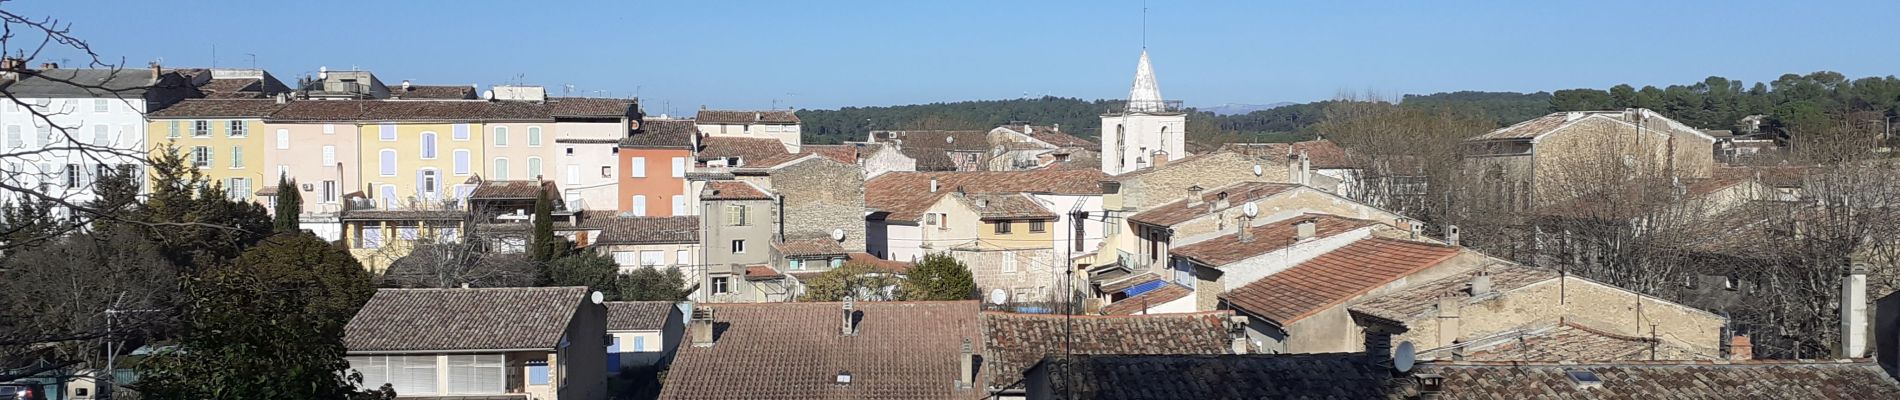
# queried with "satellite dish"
point(999, 296)
point(1251, 209)
point(1257, 171)
point(1406, 357)
point(837, 234)
point(949, 139)
point(597, 297)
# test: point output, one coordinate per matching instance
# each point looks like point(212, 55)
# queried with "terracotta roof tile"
point(406, 110)
point(888, 265)
point(591, 107)
point(905, 195)
point(1006, 206)
point(513, 190)
point(1134, 305)
point(639, 315)
point(1237, 194)
point(667, 133)
point(219, 108)
point(1335, 278)
point(432, 92)
point(758, 272)
point(1245, 376)
point(902, 350)
point(937, 140)
point(815, 246)
point(643, 230)
point(1568, 341)
point(1016, 342)
point(1228, 248)
point(1793, 379)
point(463, 319)
point(1321, 153)
point(385, 215)
point(751, 151)
point(746, 117)
point(233, 88)
point(1052, 136)
point(732, 190)
point(1421, 300)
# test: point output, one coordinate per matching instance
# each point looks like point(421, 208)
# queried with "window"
point(329, 156)
point(101, 135)
point(71, 175)
point(639, 343)
point(173, 130)
point(679, 205)
point(719, 285)
point(386, 162)
point(428, 145)
point(445, 234)
point(538, 372)
point(679, 167)
point(476, 374)
point(283, 139)
point(626, 258)
point(930, 219)
point(410, 374)
point(1009, 262)
point(13, 137)
point(200, 156)
point(430, 182)
point(237, 157)
point(329, 129)
point(46, 136)
point(796, 264)
point(240, 189)
point(639, 207)
point(534, 168)
point(389, 196)
point(370, 237)
point(1036, 226)
point(501, 169)
point(501, 136)
point(738, 246)
point(100, 105)
point(237, 128)
point(606, 171)
point(652, 258)
point(386, 132)
point(460, 133)
point(570, 151)
point(682, 257)
point(736, 215)
point(573, 174)
point(534, 136)
point(836, 263)
point(200, 128)
point(461, 162)
point(1002, 227)
point(329, 191)
point(639, 168)
point(81, 392)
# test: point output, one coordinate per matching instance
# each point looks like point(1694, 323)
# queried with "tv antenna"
point(1144, 24)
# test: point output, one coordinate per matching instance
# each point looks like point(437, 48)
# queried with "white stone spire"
point(1146, 95)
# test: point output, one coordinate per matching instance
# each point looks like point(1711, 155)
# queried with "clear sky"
point(826, 54)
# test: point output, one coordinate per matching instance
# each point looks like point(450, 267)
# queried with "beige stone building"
point(1567, 155)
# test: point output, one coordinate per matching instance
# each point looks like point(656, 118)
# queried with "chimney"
point(1417, 228)
point(1451, 235)
point(1056, 127)
point(1245, 232)
point(1449, 310)
point(1305, 230)
point(1379, 345)
point(1480, 284)
point(933, 185)
point(849, 327)
point(1194, 196)
point(405, 85)
point(701, 328)
point(1306, 169)
point(156, 72)
point(1854, 311)
point(1429, 386)
point(1220, 202)
point(49, 65)
point(1237, 334)
point(1740, 348)
point(1161, 159)
point(966, 365)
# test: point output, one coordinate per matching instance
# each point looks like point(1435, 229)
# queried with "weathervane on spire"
point(1144, 24)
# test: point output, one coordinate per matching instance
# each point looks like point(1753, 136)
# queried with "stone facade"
point(721, 229)
point(1611, 309)
point(1167, 183)
point(819, 195)
point(886, 159)
point(1028, 275)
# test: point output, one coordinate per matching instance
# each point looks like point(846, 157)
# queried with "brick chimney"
point(1160, 159)
point(1740, 348)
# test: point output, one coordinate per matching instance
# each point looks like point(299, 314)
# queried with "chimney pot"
point(1245, 231)
point(49, 65)
point(1481, 284)
point(1307, 229)
point(933, 185)
point(1740, 348)
point(966, 365)
point(849, 326)
point(1854, 311)
point(1194, 195)
point(1451, 235)
point(702, 327)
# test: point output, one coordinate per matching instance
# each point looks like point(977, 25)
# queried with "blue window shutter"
point(613, 353)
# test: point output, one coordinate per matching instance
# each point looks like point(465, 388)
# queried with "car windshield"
point(9, 390)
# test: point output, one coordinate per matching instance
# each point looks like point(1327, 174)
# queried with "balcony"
point(1153, 106)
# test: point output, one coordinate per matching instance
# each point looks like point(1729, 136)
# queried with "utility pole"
point(112, 352)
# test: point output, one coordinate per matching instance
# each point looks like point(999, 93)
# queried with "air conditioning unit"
point(307, 187)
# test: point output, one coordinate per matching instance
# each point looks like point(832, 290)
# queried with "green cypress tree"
point(289, 205)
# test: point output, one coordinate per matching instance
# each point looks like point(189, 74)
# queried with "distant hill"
point(1237, 108)
point(1507, 107)
point(1075, 116)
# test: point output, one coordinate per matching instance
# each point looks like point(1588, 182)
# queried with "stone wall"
point(1036, 270)
point(1581, 301)
point(821, 195)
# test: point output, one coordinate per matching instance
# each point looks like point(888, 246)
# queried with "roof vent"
point(844, 377)
point(1584, 379)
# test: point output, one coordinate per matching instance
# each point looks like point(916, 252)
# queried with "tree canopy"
point(939, 277)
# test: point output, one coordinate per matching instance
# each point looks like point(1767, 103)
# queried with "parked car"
point(19, 392)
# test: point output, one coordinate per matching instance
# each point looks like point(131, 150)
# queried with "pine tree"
point(939, 277)
point(289, 205)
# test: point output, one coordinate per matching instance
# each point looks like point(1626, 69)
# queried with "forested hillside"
point(1714, 103)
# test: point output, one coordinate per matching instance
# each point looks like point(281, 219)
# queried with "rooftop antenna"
point(1144, 24)
point(253, 59)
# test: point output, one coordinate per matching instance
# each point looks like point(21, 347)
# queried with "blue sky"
point(826, 54)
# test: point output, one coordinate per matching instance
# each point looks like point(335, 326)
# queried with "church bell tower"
point(1148, 131)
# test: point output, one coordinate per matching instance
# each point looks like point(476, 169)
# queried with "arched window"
point(428, 145)
point(501, 170)
point(501, 136)
point(1164, 137)
point(386, 162)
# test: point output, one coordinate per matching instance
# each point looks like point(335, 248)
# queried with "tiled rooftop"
point(1247, 376)
point(752, 152)
point(1227, 248)
point(732, 190)
point(810, 246)
point(219, 108)
point(616, 229)
point(746, 117)
point(1134, 305)
point(1567, 341)
point(432, 92)
point(937, 140)
point(1335, 278)
point(1321, 153)
point(1791, 379)
point(905, 195)
point(498, 189)
point(638, 315)
point(591, 107)
point(1236, 194)
point(1017, 341)
point(902, 350)
point(463, 319)
point(1007, 206)
point(1421, 300)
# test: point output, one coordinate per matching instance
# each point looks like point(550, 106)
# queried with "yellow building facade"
point(224, 139)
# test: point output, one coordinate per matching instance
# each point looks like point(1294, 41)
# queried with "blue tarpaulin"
point(1137, 290)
